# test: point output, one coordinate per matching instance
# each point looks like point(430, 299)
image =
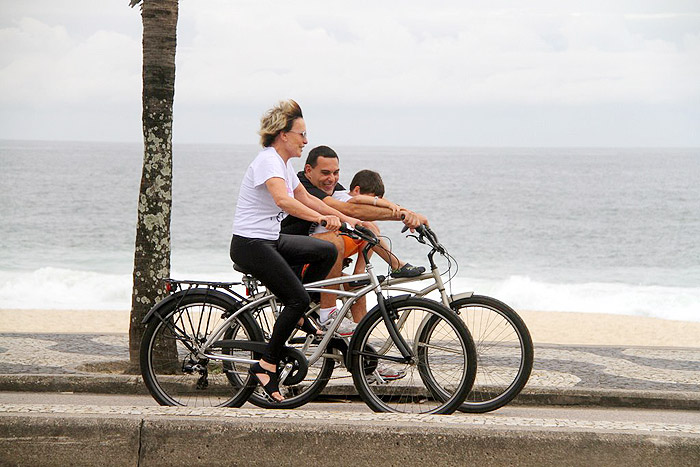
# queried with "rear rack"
point(176, 285)
point(190, 283)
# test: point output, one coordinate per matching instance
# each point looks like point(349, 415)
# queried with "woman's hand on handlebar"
point(331, 223)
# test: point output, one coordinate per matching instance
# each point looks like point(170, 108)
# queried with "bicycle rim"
point(504, 352)
point(438, 379)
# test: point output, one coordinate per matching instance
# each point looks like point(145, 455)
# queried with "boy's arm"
point(314, 203)
point(376, 201)
point(365, 212)
point(410, 218)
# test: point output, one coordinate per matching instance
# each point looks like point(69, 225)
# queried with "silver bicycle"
point(503, 344)
point(200, 341)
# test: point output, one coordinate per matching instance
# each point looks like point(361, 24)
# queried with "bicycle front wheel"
point(441, 372)
point(172, 365)
point(504, 352)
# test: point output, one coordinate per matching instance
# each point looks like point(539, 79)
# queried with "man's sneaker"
point(346, 328)
point(407, 270)
point(389, 373)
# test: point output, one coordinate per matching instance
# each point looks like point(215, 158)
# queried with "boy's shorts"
point(352, 246)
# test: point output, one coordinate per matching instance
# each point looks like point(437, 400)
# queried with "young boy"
point(367, 187)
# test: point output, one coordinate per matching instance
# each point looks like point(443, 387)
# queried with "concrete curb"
point(179, 437)
point(129, 384)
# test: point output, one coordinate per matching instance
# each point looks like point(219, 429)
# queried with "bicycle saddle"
point(241, 269)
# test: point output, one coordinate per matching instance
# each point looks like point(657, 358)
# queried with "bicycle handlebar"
point(359, 232)
point(425, 233)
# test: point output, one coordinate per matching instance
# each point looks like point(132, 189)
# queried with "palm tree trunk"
point(152, 252)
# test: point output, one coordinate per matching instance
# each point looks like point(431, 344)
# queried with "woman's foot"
point(305, 325)
point(266, 374)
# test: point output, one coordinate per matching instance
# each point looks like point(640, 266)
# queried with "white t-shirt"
point(257, 215)
point(341, 195)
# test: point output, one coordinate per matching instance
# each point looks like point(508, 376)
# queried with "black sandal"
point(271, 387)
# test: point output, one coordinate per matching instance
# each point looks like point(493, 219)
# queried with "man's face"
point(325, 175)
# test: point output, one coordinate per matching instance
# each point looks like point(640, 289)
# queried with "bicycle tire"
point(186, 380)
point(299, 393)
point(452, 371)
point(504, 349)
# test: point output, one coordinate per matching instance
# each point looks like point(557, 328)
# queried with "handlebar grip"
point(324, 223)
point(364, 230)
point(405, 227)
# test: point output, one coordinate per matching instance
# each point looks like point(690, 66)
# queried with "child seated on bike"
point(366, 187)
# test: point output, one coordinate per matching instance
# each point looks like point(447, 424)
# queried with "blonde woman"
point(270, 190)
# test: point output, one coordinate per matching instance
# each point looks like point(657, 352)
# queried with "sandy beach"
point(545, 327)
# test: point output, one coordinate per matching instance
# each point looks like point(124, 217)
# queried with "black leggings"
point(270, 262)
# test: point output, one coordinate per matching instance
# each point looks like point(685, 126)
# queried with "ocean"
point(552, 229)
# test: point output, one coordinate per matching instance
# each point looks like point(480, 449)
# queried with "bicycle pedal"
point(371, 379)
point(266, 396)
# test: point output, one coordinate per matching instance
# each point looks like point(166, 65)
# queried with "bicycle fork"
point(396, 336)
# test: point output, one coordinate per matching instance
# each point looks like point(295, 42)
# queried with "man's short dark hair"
point(320, 151)
point(369, 181)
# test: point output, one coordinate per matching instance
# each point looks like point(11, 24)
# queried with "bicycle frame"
point(393, 285)
point(311, 287)
point(350, 296)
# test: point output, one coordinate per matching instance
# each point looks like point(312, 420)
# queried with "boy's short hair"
point(369, 181)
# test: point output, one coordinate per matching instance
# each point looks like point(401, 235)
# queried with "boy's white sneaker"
point(346, 328)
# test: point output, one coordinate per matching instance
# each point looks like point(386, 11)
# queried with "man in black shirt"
point(320, 178)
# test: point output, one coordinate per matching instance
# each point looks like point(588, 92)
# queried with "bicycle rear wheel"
point(504, 352)
point(443, 368)
point(174, 371)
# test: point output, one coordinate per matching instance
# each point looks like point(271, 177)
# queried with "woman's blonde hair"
point(278, 119)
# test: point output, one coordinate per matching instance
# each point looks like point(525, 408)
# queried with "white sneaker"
point(389, 373)
point(346, 328)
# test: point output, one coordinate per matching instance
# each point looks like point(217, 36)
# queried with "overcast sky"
point(458, 73)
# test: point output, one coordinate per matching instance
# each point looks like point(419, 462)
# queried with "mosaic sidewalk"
point(556, 366)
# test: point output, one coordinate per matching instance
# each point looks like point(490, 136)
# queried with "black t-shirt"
point(293, 225)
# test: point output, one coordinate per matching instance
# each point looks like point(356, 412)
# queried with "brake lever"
point(421, 229)
point(419, 238)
